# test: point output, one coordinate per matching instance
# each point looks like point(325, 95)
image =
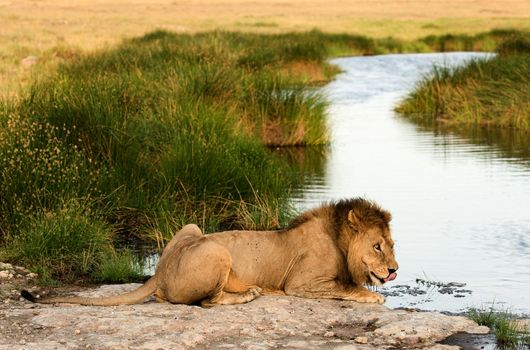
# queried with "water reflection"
point(460, 196)
point(501, 144)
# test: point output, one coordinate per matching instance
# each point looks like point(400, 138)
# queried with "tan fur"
point(329, 252)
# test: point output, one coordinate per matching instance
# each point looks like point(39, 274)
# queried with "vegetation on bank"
point(161, 131)
point(164, 130)
point(508, 331)
point(487, 92)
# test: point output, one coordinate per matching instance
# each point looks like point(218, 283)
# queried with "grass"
point(65, 243)
point(39, 169)
point(158, 132)
point(508, 332)
point(119, 267)
point(70, 243)
point(489, 92)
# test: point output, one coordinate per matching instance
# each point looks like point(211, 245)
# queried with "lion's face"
point(371, 257)
point(377, 256)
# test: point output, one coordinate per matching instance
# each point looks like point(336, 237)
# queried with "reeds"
point(488, 92)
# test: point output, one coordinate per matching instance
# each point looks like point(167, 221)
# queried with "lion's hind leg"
point(200, 271)
point(227, 298)
point(234, 291)
point(231, 290)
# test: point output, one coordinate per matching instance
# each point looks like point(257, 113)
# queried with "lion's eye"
point(377, 247)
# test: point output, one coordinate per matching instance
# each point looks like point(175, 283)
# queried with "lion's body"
point(326, 253)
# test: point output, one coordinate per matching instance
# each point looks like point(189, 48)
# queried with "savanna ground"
point(55, 30)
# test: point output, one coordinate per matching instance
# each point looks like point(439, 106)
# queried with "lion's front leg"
point(363, 295)
point(335, 290)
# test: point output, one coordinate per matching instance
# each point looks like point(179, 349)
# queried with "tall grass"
point(66, 242)
point(39, 169)
point(176, 117)
point(492, 91)
point(159, 132)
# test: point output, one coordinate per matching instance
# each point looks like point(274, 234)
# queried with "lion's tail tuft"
point(28, 296)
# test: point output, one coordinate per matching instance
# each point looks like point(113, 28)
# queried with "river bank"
point(268, 322)
point(491, 92)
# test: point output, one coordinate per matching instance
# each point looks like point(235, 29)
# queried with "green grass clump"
point(508, 332)
point(516, 44)
point(170, 119)
point(39, 169)
point(492, 91)
point(69, 243)
point(483, 317)
point(119, 267)
point(60, 244)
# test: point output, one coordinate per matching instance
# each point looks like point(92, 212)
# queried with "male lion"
point(329, 252)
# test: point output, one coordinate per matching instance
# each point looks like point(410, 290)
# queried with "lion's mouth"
point(390, 277)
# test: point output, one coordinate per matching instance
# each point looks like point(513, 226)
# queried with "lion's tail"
point(133, 297)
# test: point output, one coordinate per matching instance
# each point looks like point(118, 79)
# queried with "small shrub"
point(516, 44)
point(506, 330)
point(62, 243)
point(39, 170)
point(483, 317)
point(503, 323)
point(119, 267)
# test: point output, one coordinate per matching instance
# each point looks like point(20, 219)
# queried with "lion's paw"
point(256, 292)
point(379, 298)
point(369, 297)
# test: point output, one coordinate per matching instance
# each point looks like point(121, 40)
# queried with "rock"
point(5, 275)
point(6, 266)
point(456, 284)
point(361, 340)
point(21, 270)
point(267, 322)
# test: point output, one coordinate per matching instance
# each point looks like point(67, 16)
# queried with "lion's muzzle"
point(390, 277)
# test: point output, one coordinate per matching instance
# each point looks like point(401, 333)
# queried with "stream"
point(460, 198)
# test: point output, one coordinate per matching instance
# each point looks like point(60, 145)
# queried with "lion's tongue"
point(391, 277)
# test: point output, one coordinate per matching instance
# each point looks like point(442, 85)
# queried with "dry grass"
point(54, 29)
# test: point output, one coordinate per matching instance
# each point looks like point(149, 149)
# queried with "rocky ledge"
point(267, 322)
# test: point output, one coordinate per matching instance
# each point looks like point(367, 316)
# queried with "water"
point(460, 198)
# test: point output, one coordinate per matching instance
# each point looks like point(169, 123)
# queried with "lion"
point(330, 252)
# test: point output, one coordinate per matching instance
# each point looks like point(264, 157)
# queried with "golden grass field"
point(57, 29)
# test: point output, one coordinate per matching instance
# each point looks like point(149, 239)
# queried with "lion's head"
point(370, 252)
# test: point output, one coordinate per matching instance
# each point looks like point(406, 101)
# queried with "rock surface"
point(268, 322)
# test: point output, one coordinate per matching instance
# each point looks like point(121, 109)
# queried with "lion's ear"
point(387, 216)
point(353, 219)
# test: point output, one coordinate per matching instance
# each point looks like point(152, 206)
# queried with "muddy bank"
point(268, 322)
